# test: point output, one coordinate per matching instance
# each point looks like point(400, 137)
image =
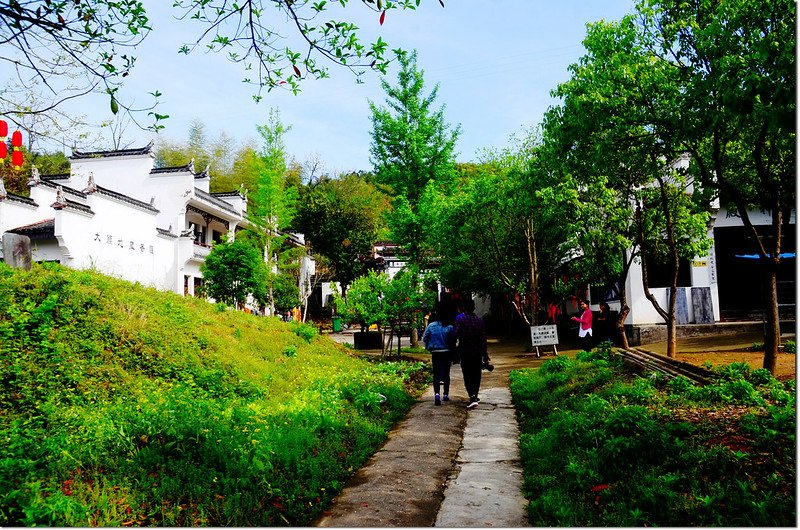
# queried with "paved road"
point(445, 466)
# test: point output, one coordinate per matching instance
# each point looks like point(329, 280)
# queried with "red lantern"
point(16, 140)
point(3, 151)
point(17, 159)
point(3, 129)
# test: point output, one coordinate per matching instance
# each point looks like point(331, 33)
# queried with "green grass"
point(603, 447)
point(122, 405)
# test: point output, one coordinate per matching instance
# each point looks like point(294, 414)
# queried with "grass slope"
point(122, 405)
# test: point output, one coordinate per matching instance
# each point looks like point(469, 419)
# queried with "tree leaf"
point(383, 16)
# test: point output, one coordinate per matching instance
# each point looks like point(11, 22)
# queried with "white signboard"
point(544, 335)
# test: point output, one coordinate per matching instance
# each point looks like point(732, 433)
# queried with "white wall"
point(14, 213)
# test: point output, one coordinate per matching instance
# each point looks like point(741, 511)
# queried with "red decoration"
point(17, 159)
point(383, 17)
point(3, 129)
point(16, 140)
point(3, 151)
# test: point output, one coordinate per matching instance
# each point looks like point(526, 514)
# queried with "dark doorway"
point(740, 279)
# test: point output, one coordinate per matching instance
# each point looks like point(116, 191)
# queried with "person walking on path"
point(472, 349)
point(585, 328)
point(439, 339)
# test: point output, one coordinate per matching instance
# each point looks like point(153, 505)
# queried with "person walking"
point(472, 349)
point(585, 327)
point(601, 325)
point(439, 339)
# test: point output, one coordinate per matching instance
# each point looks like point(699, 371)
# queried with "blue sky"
point(495, 61)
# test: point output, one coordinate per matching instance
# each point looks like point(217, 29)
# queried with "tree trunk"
point(668, 316)
point(672, 328)
point(772, 326)
point(624, 309)
point(533, 261)
point(620, 325)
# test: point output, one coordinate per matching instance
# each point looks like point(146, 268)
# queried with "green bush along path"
point(601, 447)
point(125, 406)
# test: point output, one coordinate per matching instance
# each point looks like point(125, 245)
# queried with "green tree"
point(502, 231)
point(412, 145)
point(233, 272)
point(273, 204)
point(342, 219)
point(16, 180)
point(285, 292)
point(228, 164)
point(737, 112)
point(388, 303)
point(616, 130)
point(403, 300)
point(363, 302)
point(78, 47)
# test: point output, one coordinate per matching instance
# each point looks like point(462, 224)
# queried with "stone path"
point(485, 488)
point(445, 466)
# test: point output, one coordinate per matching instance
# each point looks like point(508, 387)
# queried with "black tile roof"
point(125, 198)
point(72, 205)
point(67, 189)
point(176, 169)
point(146, 150)
point(36, 230)
point(215, 201)
point(165, 232)
point(20, 198)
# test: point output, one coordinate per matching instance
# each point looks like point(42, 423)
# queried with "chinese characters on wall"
point(136, 246)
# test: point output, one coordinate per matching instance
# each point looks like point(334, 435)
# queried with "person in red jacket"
point(585, 328)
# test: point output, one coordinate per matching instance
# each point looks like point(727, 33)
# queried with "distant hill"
point(122, 405)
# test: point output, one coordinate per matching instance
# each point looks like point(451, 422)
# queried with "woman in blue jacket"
point(440, 339)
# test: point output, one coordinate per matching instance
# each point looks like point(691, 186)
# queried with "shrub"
point(555, 365)
point(303, 330)
point(761, 376)
point(600, 447)
point(680, 385)
point(736, 371)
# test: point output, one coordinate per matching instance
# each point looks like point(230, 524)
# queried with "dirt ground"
point(786, 367)
point(721, 350)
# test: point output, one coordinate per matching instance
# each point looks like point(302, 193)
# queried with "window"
point(660, 274)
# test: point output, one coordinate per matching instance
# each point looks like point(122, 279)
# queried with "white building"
point(116, 213)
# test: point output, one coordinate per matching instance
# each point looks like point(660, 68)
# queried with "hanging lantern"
point(3, 130)
point(3, 151)
point(16, 140)
point(17, 159)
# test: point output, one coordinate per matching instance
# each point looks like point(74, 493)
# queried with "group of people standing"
point(592, 331)
point(461, 339)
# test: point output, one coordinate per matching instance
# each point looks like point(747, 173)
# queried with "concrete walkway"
point(485, 487)
point(444, 465)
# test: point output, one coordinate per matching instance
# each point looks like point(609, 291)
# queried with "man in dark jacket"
point(471, 335)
